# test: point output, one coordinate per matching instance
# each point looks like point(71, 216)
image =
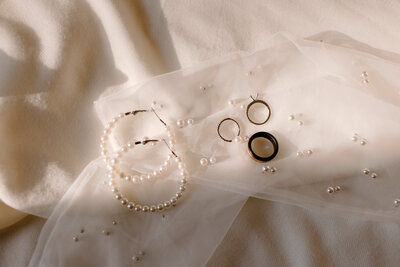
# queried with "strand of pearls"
point(133, 206)
point(113, 161)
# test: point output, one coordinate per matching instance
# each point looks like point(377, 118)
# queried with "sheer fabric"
point(319, 81)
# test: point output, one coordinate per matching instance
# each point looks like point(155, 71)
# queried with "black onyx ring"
point(270, 138)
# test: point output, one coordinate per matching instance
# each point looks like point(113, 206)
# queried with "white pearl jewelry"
point(105, 232)
point(396, 202)
point(366, 171)
point(113, 162)
point(374, 175)
point(204, 162)
point(231, 102)
point(156, 207)
point(330, 190)
point(363, 142)
point(300, 123)
point(213, 160)
point(265, 168)
point(291, 117)
point(75, 238)
point(309, 152)
point(354, 139)
point(242, 106)
point(180, 123)
point(238, 139)
point(337, 188)
point(299, 154)
point(190, 121)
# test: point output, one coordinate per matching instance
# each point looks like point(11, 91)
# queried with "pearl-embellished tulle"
point(331, 126)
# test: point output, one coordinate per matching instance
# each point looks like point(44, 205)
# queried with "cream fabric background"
point(57, 57)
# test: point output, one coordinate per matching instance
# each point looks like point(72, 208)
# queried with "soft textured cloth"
point(57, 57)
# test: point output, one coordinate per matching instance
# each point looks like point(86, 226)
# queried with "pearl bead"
point(231, 102)
point(183, 173)
point(183, 181)
point(114, 222)
point(291, 117)
point(135, 179)
point(118, 196)
point(180, 123)
point(374, 175)
point(237, 139)
point(396, 202)
point(127, 178)
point(354, 138)
point(181, 166)
point(300, 123)
point(124, 149)
point(105, 232)
point(111, 182)
point(364, 74)
point(330, 190)
point(106, 131)
point(213, 160)
point(178, 159)
point(114, 120)
point(182, 188)
point(149, 177)
point(273, 170)
point(75, 239)
point(338, 188)
point(145, 208)
point(160, 207)
point(114, 189)
point(299, 154)
point(103, 152)
point(130, 206)
point(265, 168)
point(167, 204)
point(153, 208)
point(242, 106)
point(138, 207)
point(121, 115)
point(366, 171)
point(190, 121)
point(136, 258)
point(173, 200)
point(204, 162)
point(178, 195)
point(124, 201)
point(363, 142)
point(309, 152)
